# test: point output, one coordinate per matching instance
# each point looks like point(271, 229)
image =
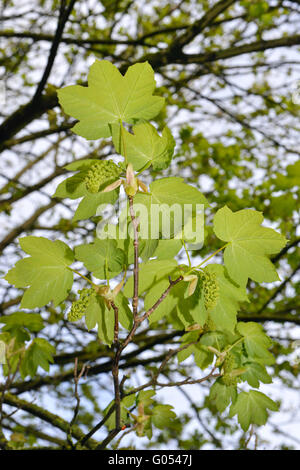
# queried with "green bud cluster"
point(209, 325)
point(210, 289)
point(230, 380)
point(228, 366)
point(229, 362)
point(78, 308)
point(99, 173)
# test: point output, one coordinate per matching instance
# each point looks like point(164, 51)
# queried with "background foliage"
point(228, 71)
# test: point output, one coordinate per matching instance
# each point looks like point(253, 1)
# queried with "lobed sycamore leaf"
point(149, 273)
point(72, 188)
point(111, 98)
point(224, 313)
point(175, 200)
point(192, 310)
point(125, 314)
point(31, 321)
point(39, 353)
point(254, 374)
point(46, 272)
point(248, 245)
point(89, 205)
point(221, 395)
point(163, 416)
point(168, 304)
point(148, 249)
point(125, 405)
point(167, 249)
point(98, 314)
point(102, 258)
point(256, 341)
point(251, 408)
point(145, 146)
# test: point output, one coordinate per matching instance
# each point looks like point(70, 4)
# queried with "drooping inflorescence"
point(210, 289)
point(78, 307)
point(229, 365)
point(103, 171)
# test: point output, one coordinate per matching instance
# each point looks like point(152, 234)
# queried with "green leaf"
point(165, 193)
point(167, 249)
point(89, 205)
point(145, 397)
point(225, 311)
point(72, 188)
point(40, 353)
point(220, 395)
point(111, 98)
point(98, 314)
point(163, 416)
point(46, 272)
point(256, 341)
point(168, 304)
point(203, 357)
point(31, 321)
point(192, 310)
point(149, 273)
point(145, 146)
point(254, 374)
point(148, 249)
point(248, 245)
point(126, 404)
point(251, 408)
point(125, 314)
point(102, 258)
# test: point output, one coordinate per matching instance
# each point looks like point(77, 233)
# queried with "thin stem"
point(123, 142)
point(208, 258)
point(186, 252)
point(77, 377)
point(81, 275)
point(136, 258)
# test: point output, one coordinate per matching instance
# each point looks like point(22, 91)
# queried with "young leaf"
point(167, 249)
point(165, 193)
point(192, 310)
point(248, 245)
point(163, 416)
point(46, 272)
point(72, 188)
point(98, 314)
point(145, 146)
point(168, 304)
point(102, 258)
point(30, 321)
point(149, 273)
point(90, 203)
point(125, 314)
point(229, 295)
point(220, 395)
point(256, 341)
point(111, 98)
point(40, 353)
point(251, 408)
point(255, 373)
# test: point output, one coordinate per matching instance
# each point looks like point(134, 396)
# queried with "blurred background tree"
point(228, 70)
